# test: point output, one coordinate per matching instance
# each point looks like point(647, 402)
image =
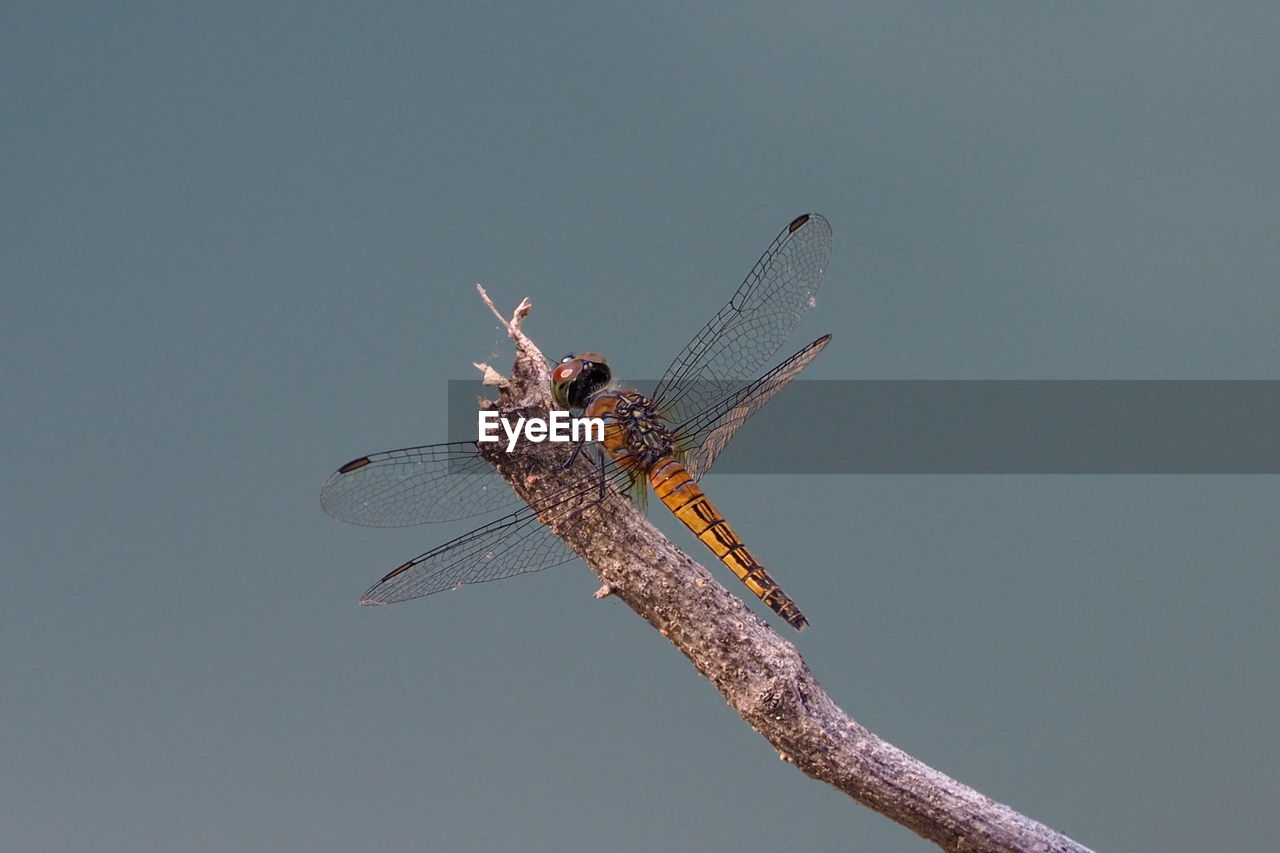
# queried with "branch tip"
point(517, 317)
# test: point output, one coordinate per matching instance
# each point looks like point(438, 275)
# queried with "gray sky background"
point(239, 249)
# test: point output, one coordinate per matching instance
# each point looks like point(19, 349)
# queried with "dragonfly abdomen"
point(685, 498)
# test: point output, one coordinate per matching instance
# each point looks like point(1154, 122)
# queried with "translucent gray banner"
point(994, 427)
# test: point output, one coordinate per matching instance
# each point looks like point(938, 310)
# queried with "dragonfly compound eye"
point(575, 381)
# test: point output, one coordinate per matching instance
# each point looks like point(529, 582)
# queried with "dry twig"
point(760, 674)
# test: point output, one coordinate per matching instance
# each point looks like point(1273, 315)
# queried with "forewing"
point(745, 334)
point(416, 485)
point(703, 437)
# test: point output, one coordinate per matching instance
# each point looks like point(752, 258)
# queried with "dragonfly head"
point(578, 377)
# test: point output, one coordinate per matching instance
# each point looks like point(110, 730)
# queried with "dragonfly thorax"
point(633, 428)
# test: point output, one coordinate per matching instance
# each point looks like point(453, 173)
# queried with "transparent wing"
point(416, 485)
point(509, 546)
point(517, 543)
point(707, 433)
point(745, 334)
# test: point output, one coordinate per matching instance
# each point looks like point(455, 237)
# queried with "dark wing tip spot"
point(354, 465)
point(797, 222)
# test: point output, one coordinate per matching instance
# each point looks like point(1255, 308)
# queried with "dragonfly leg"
point(600, 472)
point(577, 448)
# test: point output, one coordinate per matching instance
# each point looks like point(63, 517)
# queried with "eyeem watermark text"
point(561, 426)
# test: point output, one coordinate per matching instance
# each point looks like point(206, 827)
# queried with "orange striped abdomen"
point(675, 488)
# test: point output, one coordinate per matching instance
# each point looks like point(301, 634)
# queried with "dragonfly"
point(666, 441)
